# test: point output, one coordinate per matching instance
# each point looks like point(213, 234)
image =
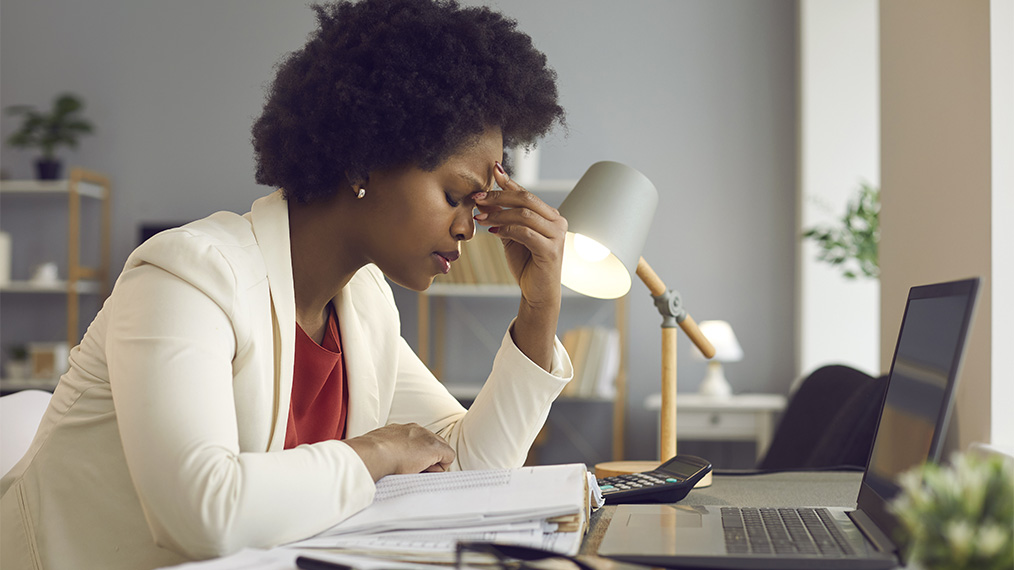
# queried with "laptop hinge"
point(870, 529)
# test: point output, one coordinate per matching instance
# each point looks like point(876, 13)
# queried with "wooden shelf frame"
point(81, 279)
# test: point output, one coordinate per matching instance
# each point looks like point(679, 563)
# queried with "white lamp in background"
point(609, 213)
point(727, 349)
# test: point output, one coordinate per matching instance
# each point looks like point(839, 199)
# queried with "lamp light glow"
point(589, 249)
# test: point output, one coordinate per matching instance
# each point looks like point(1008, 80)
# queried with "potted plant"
point(17, 362)
point(958, 516)
point(854, 245)
point(49, 130)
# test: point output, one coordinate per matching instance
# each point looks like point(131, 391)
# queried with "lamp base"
point(614, 468)
point(715, 385)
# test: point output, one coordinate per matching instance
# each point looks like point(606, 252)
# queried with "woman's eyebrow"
point(477, 185)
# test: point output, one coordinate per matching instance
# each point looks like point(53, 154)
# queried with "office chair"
point(20, 414)
point(830, 421)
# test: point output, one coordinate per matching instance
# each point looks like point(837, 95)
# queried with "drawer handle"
point(716, 419)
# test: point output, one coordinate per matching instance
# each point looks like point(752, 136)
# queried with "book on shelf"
point(482, 262)
point(421, 517)
point(595, 354)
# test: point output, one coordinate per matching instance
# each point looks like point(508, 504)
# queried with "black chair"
point(830, 421)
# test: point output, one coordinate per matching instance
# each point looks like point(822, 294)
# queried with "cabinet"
point(66, 225)
point(450, 298)
point(740, 417)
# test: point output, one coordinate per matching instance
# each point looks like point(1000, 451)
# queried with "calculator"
point(667, 483)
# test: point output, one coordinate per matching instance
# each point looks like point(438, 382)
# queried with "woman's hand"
point(402, 448)
point(533, 235)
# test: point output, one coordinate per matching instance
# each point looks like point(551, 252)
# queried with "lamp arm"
point(671, 308)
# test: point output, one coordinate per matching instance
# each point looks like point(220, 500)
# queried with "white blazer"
point(164, 441)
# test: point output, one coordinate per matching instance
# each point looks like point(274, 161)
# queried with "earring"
point(361, 193)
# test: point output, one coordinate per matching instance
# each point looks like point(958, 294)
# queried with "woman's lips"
point(445, 258)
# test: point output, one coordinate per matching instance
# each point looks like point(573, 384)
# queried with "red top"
point(320, 391)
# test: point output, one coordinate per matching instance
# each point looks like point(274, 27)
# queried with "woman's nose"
point(464, 226)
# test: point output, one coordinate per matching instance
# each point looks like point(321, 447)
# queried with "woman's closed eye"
point(450, 200)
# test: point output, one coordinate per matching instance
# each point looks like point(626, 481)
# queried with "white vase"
point(526, 166)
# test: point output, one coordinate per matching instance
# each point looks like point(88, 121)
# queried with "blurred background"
point(755, 119)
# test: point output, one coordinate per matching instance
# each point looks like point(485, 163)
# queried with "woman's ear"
point(358, 184)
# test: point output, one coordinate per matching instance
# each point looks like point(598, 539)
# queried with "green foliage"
point(18, 352)
point(46, 131)
point(959, 517)
point(854, 245)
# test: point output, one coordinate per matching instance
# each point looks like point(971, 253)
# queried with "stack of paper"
point(423, 516)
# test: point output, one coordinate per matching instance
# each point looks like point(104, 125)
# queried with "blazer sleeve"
point(170, 344)
point(500, 426)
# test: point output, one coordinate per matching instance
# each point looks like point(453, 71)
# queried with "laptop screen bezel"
point(869, 501)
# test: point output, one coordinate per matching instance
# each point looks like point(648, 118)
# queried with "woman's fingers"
point(514, 207)
point(402, 448)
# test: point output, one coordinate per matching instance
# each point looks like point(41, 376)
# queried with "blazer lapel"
point(270, 219)
point(364, 399)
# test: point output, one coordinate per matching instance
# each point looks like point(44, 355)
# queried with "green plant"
point(961, 516)
point(855, 244)
point(46, 131)
point(18, 352)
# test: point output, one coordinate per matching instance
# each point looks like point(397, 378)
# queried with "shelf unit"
point(432, 307)
point(81, 279)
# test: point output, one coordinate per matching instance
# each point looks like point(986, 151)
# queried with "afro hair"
point(387, 83)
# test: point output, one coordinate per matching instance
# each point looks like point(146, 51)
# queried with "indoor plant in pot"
point(48, 130)
point(853, 245)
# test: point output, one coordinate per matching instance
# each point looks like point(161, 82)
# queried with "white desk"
point(740, 417)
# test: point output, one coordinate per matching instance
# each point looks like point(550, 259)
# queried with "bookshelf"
point(33, 210)
point(482, 272)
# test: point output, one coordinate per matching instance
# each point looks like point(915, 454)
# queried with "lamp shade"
point(609, 213)
point(727, 348)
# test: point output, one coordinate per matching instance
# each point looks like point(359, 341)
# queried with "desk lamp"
point(609, 213)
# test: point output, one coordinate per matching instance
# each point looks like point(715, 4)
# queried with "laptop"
point(911, 429)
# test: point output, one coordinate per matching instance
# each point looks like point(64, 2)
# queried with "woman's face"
point(418, 217)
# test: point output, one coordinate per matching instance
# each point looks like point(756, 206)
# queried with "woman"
point(246, 382)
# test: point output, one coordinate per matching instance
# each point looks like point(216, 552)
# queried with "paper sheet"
point(468, 498)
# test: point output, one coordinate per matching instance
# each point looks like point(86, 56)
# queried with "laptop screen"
point(917, 406)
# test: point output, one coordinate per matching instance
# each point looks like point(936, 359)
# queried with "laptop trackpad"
point(675, 517)
point(663, 530)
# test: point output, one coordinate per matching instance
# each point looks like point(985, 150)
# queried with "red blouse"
point(320, 390)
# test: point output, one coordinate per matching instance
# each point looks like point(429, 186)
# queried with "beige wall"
point(935, 173)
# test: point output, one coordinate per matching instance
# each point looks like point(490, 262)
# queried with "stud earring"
point(361, 193)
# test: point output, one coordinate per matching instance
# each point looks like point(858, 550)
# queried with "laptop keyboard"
point(786, 531)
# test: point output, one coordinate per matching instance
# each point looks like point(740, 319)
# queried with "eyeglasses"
point(513, 557)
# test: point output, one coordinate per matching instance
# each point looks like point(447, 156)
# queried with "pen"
point(314, 564)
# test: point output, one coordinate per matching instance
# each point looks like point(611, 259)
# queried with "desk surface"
point(790, 489)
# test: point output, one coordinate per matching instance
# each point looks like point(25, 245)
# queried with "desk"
point(814, 488)
point(740, 417)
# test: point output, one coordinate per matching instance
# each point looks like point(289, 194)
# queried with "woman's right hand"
point(402, 448)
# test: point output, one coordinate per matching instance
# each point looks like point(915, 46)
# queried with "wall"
point(1001, 61)
point(839, 148)
point(936, 173)
point(698, 95)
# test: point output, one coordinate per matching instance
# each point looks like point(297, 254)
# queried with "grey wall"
point(698, 95)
